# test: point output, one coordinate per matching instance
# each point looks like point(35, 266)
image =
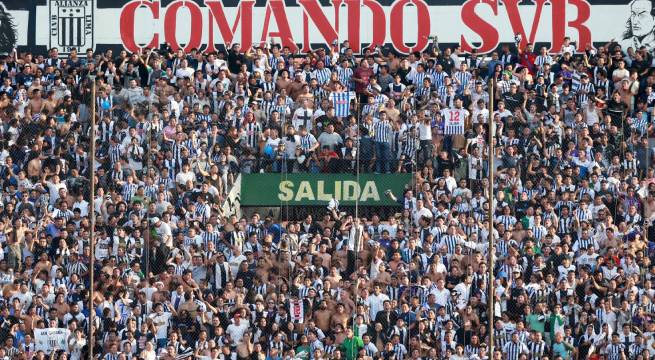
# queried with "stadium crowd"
point(574, 198)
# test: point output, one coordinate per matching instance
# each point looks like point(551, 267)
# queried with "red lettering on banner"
point(378, 17)
point(126, 21)
point(328, 28)
point(217, 14)
point(559, 23)
point(296, 309)
point(170, 25)
point(379, 24)
point(336, 4)
point(584, 13)
point(277, 9)
point(397, 28)
point(353, 7)
point(314, 11)
point(512, 8)
point(486, 31)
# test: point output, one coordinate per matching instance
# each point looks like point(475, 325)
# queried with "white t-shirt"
point(235, 263)
point(424, 131)
point(161, 324)
point(273, 143)
point(290, 145)
point(564, 271)
point(331, 140)
point(477, 112)
point(76, 346)
point(418, 214)
point(441, 296)
point(303, 117)
point(375, 304)
point(237, 331)
point(583, 163)
point(184, 72)
point(163, 230)
point(83, 206)
point(621, 74)
point(54, 191)
point(183, 177)
point(569, 49)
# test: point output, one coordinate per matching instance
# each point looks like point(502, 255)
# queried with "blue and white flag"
point(341, 102)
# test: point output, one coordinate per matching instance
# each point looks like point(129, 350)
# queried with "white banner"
point(297, 311)
point(406, 25)
point(232, 204)
point(51, 339)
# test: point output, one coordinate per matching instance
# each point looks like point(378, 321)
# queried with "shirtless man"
point(35, 104)
point(187, 282)
point(284, 265)
point(347, 295)
point(334, 276)
point(473, 261)
point(384, 277)
point(43, 264)
point(295, 88)
point(334, 84)
point(322, 316)
point(339, 318)
point(36, 84)
point(190, 305)
point(367, 254)
point(50, 103)
point(163, 91)
point(160, 294)
point(326, 259)
point(10, 289)
point(166, 279)
point(305, 95)
point(245, 347)
point(341, 257)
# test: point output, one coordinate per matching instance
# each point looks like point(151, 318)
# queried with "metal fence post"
point(491, 251)
point(92, 150)
point(146, 236)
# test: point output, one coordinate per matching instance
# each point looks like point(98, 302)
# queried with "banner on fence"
point(232, 204)
point(51, 339)
point(319, 189)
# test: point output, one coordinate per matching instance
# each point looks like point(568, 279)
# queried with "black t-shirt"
point(443, 164)
point(403, 75)
point(446, 63)
point(640, 66)
point(24, 79)
point(513, 101)
point(234, 61)
point(615, 110)
point(453, 279)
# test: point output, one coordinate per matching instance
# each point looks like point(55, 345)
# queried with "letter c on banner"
point(396, 17)
point(127, 24)
point(195, 28)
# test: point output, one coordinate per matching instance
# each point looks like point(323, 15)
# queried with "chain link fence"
point(213, 225)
